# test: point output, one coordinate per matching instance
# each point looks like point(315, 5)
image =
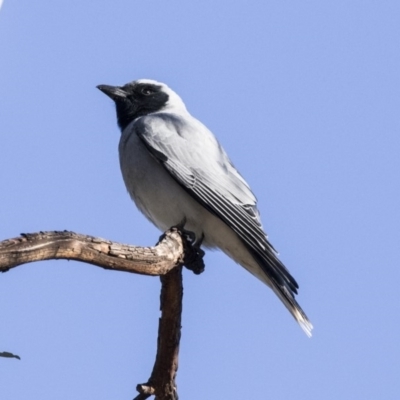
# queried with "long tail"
point(278, 278)
point(294, 308)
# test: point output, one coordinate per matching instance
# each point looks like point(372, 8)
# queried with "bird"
point(175, 170)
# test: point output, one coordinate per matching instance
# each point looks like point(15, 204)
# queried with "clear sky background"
point(305, 98)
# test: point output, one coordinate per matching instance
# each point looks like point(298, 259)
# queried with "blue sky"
point(305, 99)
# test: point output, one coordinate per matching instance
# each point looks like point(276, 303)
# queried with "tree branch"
point(162, 380)
point(175, 249)
point(158, 260)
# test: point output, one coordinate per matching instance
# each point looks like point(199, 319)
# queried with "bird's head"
point(142, 97)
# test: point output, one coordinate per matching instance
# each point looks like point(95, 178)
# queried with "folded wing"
point(194, 158)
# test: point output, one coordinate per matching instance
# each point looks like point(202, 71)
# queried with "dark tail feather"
point(283, 284)
point(294, 308)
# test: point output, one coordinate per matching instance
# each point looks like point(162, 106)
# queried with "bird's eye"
point(147, 91)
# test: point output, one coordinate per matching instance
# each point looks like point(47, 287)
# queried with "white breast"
point(157, 195)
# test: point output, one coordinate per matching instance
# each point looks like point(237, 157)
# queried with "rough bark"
point(175, 249)
point(162, 380)
point(157, 260)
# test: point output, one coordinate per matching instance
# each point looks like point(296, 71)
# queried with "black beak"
point(114, 92)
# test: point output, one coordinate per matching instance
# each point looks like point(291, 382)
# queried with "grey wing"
point(194, 158)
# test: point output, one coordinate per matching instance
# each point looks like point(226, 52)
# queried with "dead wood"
point(174, 249)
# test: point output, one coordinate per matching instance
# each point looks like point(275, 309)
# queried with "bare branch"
point(162, 380)
point(158, 260)
point(175, 248)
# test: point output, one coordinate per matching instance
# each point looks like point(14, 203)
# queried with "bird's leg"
point(189, 235)
point(199, 242)
point(180, 227)
point(181, 224)
point(196, 264)
point(193, 254)
point(193, 259)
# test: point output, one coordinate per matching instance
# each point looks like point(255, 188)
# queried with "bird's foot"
point(193, 254)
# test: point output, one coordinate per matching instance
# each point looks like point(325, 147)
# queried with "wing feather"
point(194, 158)
point(211, 181)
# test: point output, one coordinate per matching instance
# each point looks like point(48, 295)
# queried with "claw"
point(190, 236)
point(199, 242)
point(193, 254)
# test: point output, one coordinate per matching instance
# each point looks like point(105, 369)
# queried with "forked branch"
point(166, 259)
